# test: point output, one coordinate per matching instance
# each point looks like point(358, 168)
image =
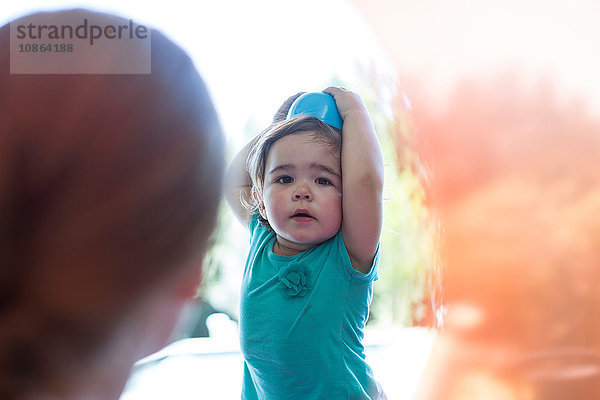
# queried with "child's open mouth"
point(302, 216)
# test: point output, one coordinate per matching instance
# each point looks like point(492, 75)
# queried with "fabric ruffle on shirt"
point(294, 277)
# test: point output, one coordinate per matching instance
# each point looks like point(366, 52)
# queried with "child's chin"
point(312, 240)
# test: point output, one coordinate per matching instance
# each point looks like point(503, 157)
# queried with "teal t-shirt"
point(301, 322)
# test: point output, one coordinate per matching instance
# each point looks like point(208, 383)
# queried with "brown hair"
point(109, 184)
point(322, 133)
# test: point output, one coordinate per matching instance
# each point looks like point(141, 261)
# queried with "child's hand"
point(347, 101)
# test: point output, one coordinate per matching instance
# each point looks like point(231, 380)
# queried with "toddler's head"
point(295, 166)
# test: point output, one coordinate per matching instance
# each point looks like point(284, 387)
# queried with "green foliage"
point(407, 246)
point(212, 267)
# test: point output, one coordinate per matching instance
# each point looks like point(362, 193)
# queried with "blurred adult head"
point(109, 188)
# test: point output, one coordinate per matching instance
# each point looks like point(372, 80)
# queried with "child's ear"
point(261, 204)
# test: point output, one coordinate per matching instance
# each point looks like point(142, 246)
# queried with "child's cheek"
point(275, 202)
point(334, 207)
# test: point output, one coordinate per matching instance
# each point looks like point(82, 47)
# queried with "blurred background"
point(505, 115)
point(488, 116)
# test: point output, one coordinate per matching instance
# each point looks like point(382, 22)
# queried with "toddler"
point(311, 197)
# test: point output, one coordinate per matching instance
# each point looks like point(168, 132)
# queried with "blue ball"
point(317, 104)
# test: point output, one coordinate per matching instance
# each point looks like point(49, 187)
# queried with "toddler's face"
point(302, 195)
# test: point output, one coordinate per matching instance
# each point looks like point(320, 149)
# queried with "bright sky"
point(253, 54)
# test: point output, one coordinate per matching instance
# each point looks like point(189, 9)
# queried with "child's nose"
point(302, 192)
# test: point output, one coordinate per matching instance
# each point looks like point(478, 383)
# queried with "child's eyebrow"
point(325, 168)
point(317, 166)
point(284, 167)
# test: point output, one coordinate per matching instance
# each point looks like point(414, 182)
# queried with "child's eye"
point(323, 181)
point(284, 179)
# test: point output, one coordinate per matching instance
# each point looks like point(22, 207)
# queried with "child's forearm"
point(362, 161)
point(238, 185)
point(362, 185)
point(237, 174)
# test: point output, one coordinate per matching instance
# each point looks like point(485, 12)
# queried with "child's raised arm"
point(362, 179)
point(238, 186)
